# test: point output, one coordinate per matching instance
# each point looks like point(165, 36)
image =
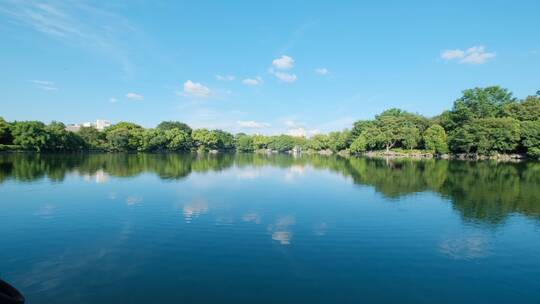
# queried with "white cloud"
point(74, 23)
point(45, 85)
point(452, 54)
point(283, 63)
point(113, 100)
point(302, 132)
point(322, 71)
point(251, 124)
point(42, 82)
point(285, 77)
point(49, 88)
point(473, 55)
point(290, 123)
point(134, 96)
point(252, 81)
point(196, 89)
point(297, 132)
point(225, 77)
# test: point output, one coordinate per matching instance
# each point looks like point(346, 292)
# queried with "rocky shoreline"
point(415, 154)
point(459, 156)
point(515, 157)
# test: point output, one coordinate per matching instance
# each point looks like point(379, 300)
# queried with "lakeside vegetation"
point(483, 121)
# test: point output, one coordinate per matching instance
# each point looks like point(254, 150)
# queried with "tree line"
point(483, 121)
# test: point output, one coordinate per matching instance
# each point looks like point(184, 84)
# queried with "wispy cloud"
point(252, 81)
point(473, 55)
point(285, 77)
point(225, 77)
point(291, 123)
point(75, 23)
point(134, 96)
point(251, 124)
point(195, 89)
point(302, 132)
point(113, 100)
point(297, 35)
point(322, 71)
point(45, 85)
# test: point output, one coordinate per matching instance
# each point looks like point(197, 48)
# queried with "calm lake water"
point(119, 228)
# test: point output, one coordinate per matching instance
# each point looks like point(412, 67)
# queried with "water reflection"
point(466, 247)
point(133, 200)
point(194, 209)
point(281, 230)
point(98, 177)
point(252, 217)
point(484, 192)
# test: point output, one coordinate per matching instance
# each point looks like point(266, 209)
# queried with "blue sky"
point(296, 67)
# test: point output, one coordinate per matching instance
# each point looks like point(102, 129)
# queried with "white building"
point(100, 125)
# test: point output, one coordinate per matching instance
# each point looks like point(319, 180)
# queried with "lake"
point(249, 228)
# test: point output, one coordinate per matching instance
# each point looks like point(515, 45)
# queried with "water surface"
point(169, 228)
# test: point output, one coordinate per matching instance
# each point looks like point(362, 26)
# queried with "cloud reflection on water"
point(466, 248)
point(194, 209)
point(281, 231)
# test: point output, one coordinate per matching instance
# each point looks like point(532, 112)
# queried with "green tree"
point(260, 142)
point(478, 103)
point(360, 125)
point(486, 136)
point(93, 138)
point(461, 139)
point(118, 139)
point(395, 127)
point(526, 110)
point(530, 137)
point(152, 140)
point(282, 143)
point(5, 132)
point(435, 139)
point(123, 125)
point(59, 139)
point(359, 145)
point(340, 140)
point(169, 125)
point(319, 142)
point(30, 135)
point(124, 136)
point(204, 139)
point(244, 143)
point(225, 140)
point(411, 137)
point(178, 140)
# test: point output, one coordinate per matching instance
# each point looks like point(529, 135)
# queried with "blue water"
point(268, 229)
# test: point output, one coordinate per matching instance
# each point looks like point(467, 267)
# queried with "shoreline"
point(414, 154)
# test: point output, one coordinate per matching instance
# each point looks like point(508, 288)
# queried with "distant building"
point(100, 125)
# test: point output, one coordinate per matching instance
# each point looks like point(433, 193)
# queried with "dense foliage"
point(484, 121)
